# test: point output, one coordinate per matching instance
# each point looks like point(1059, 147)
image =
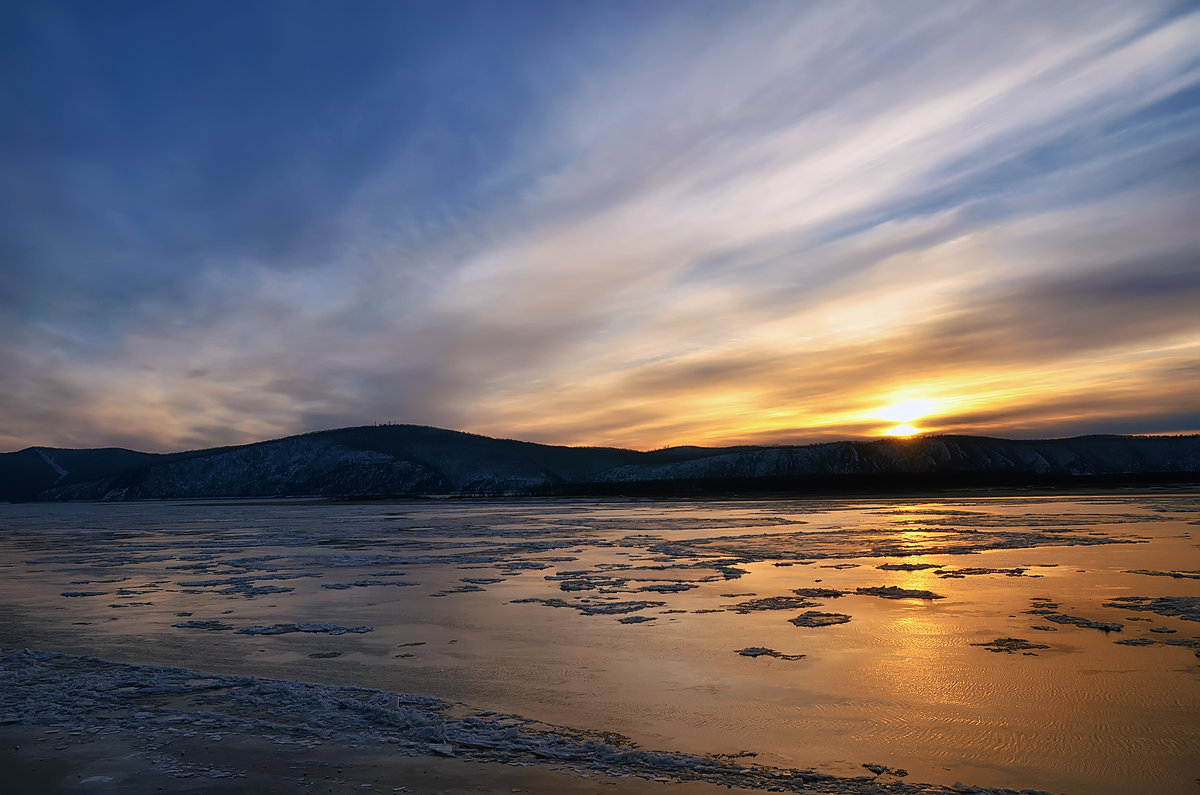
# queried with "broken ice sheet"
point(444, 546)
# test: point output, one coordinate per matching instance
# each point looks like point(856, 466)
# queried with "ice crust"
point(562, 562)
point(96, 697)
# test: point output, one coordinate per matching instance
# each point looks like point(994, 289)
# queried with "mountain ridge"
point(414, 460)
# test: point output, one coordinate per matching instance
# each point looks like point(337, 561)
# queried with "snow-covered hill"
point(407, 460)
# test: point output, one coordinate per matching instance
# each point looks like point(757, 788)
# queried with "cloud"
point(725, 222)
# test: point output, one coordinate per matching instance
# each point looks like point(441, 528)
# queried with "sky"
point(638, 224)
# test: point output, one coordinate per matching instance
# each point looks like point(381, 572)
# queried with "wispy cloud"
point(752, 222)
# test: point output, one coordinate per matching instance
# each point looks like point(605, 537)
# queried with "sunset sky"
point(622, 223)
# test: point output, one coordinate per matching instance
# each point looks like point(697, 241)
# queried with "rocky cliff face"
point(412, 461)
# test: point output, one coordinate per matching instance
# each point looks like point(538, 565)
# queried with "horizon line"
point(860, 440)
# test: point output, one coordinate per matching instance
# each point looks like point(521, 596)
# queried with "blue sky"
point(638, 223)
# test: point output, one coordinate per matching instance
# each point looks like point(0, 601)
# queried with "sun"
point(905, 414)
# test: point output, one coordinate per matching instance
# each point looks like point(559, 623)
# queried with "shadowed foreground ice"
point(91, 696)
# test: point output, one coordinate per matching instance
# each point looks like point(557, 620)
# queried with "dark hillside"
point(410, 460)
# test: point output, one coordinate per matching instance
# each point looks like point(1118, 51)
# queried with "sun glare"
point(904, 414)
point(907, 411)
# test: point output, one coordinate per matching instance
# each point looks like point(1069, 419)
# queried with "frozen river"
point(1024, 642)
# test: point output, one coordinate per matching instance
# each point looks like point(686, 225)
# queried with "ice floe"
point(896, 592)
point(1012, 646)
point(762, 651)
point(813, 618)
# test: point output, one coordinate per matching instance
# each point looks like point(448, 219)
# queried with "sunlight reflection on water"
point(904, 683)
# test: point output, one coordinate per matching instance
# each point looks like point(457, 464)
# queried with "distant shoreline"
point(1079, 488)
